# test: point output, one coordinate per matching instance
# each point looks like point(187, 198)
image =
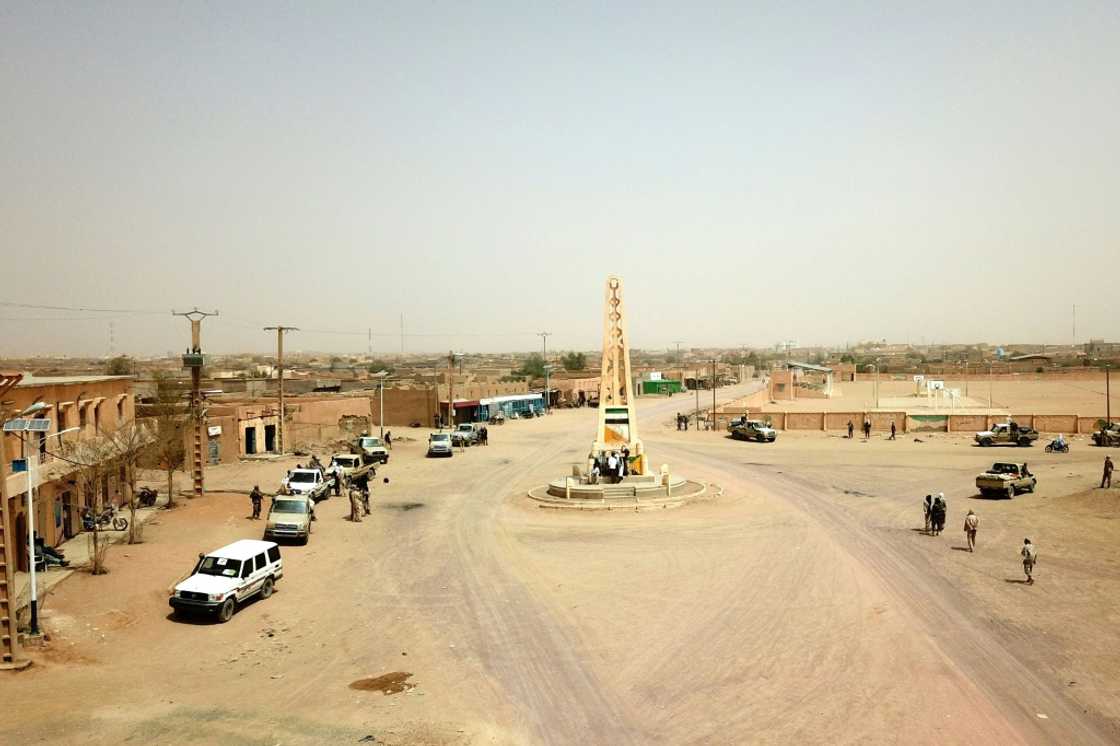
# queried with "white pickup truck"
point(309, 482)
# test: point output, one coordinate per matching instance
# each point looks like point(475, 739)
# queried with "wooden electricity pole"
point(10, 657)
point(280, 377)
point(193, 360)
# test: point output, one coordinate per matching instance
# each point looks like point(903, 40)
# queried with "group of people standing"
point(935, 507)
point(610, 466)
point(866, 428)
point(682, 421)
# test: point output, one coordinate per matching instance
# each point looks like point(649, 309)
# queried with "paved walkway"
point(77, 552)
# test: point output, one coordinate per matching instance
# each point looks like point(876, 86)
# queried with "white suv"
point(229, 576)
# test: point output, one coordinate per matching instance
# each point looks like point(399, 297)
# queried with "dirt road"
point(799, 606)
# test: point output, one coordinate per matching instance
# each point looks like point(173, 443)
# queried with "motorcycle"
point(107, 519)
point(146, 497)
point(1056, 447)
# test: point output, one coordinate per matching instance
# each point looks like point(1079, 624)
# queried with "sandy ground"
point(1054, 396)
point(804, 604)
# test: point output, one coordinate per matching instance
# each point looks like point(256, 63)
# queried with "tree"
point(95, 464)
point(574, 361)
point(121, 365)
point(127, 445)
point(533, 366)
point(167, 450)
point(376, 366)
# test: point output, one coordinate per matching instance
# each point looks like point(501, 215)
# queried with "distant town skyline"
point(754, 173)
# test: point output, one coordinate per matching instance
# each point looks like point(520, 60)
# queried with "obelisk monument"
point(618, 421)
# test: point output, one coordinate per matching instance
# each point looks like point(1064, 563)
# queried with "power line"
point(84, 309)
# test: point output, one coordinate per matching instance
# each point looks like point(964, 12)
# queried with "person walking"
point(851, 429)
point(612, 466)
point(389, 439)
point(355, 504)
point(484, 435)
point(1106, 477)
point(971, 523)
point(893, 430)
point(624, 466)
point(336, 472)
point(867, 428)
point(927, 510)
point(256, 497)
point(1030, 557)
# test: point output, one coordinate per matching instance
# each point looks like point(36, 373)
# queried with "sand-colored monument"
point(642, 487)
point(618, 421)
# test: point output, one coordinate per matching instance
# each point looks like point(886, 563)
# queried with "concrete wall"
point(804, 421)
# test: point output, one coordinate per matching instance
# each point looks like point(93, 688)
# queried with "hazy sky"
point(756, 172)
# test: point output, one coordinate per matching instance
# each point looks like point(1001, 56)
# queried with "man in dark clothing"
point(389, 439)
point(484, 436)
point(851, 429)
point(893, 430)
point(256, 497)
point(1106, 478)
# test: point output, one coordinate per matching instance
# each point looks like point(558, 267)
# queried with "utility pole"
point(696, 386)
point(989, 389)
point(680, 364)
point(1107, 394)
point(544, 356)
point(10, 657)
point(713, 393)
point(193, 360)
point(450, 387)
point(280, 330)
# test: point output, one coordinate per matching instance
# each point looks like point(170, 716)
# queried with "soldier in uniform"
point(355, 504)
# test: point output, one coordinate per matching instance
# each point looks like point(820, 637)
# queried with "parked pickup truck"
point(754, 430)
point(439, 444)
point(289, 517)
point(309, 482)
point(1005, 480)
point(353, 465)
point(372, 448)
point(1007, 433)
point(1108, 436)
point(465, 434)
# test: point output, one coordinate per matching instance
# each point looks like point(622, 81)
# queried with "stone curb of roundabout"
point(558, 495)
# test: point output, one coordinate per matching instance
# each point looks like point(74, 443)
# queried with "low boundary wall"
point(1070, 424)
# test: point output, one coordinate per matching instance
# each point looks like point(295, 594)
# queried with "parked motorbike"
point(1056, 447)
point(105, 520)
point(146, 497)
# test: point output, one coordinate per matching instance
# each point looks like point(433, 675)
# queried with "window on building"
point(97, 416)
point(120, 410)
point(81, 415)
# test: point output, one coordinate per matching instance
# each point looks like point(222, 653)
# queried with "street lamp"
point(19, 426)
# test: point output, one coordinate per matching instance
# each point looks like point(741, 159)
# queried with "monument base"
point(644, 492)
